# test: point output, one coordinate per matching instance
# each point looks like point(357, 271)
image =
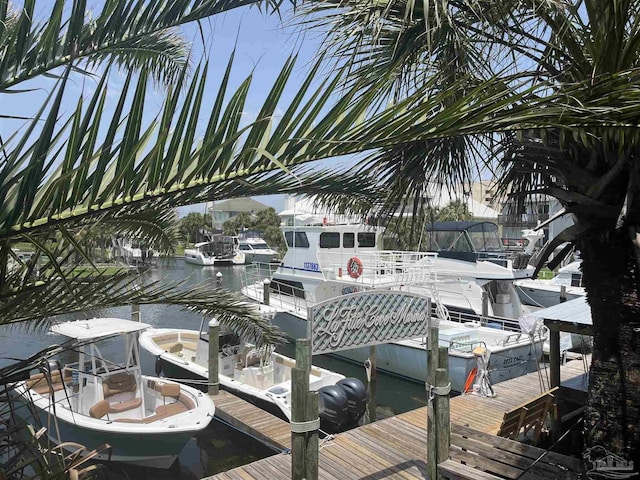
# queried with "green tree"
point(192, 224)
point(241, 222)
point(454, 211)
point(544, 93)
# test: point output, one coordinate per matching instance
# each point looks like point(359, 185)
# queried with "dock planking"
point(396, 447)
point(246, 417)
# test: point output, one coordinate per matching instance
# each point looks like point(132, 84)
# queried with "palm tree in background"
point(545, 95)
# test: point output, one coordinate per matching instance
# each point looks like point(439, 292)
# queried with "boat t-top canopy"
point(98, 328)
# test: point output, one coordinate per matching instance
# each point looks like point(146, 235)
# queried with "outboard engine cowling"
point(333, 408)
point(356, 397)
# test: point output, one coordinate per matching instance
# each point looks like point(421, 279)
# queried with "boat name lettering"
point(312, 266)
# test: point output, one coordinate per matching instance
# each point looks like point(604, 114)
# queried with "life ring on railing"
point(354, 267)
point(468, 385)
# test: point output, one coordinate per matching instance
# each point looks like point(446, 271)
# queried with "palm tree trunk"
point(611, 277)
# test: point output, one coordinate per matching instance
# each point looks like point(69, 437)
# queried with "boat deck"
point(396, 447)
point(270, 430)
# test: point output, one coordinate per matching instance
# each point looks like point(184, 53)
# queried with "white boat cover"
point(97, 328)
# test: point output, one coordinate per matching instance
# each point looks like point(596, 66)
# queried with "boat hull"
point(157, 450)
point(199, 260)
point(544, 297)
point(408, 359)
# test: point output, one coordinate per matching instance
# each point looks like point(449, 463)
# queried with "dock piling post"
point(304, 417)
point(135, 312)
point(266, 291)
point(563, 293)
point(432, 425)
point(443, 427)
point(214, 345)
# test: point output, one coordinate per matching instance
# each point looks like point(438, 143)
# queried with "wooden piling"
point(432, 366)
point(443, 427)
point(554, 357)
point(304, 408)
point(135, 312)
point(312, 442)
point(266, 291)
point(214, 346)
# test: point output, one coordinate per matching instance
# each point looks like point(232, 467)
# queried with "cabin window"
point(330, 240)
point(348, 240)
point(576, 279)
point(366, 239)
point(244, 247)
point(300, 240)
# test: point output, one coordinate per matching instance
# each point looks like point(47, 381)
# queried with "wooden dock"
point(486, 414)
point(396, 447)
point(268, 429)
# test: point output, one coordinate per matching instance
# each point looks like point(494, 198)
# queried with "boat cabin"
point(469, 241)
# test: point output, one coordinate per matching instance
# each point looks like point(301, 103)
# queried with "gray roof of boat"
point(97, 328)
point(575, 311)
point(455, 226)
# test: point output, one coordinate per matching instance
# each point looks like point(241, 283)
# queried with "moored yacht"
point(327, 261)
point(254, 250)
point(219, 250)
point(565, 285)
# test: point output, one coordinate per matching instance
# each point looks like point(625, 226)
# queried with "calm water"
point(219, 447)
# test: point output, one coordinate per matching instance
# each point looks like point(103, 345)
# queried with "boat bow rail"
point(381, 267)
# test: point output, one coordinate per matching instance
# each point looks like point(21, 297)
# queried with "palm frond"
point(41, 300)
point(135, 34)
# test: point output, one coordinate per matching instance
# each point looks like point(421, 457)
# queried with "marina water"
point(219, 447)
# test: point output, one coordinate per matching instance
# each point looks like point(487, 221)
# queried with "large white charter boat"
point(327, 261)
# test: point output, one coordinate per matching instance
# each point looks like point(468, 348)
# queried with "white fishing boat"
point(98, 400)
point(254, 250)
point(327, 261)
point(220, 250)
point(262, 377)
point(565, 285)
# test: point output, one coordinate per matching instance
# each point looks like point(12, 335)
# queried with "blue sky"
point(262, 45)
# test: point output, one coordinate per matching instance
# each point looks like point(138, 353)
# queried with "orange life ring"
point(354, 267)
point(468, 386)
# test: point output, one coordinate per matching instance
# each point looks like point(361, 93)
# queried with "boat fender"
point(356, 398)
point(158, 366)
point(333, 407)
point(354, 267)
point(468, 385)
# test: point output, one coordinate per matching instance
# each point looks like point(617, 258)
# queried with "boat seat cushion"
point(163, 411)
point(168, 389)
point(118, 407)
point(118, 383)
point(100, 409)
point(39, 382)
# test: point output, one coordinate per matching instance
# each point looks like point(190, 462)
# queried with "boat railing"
point(282, 295)
point(500, 323)
point(379, 267)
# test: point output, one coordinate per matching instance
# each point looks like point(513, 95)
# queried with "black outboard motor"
point(333, 407)
point(356, 396)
